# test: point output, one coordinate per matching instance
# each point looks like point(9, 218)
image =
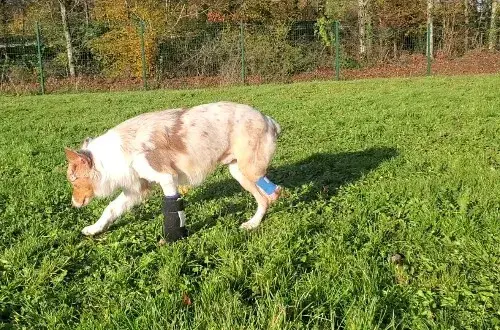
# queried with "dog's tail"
point(275, 125)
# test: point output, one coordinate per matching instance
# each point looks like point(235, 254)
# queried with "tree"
point(466, 22)
point(362, 24)
point(495, 5)
point(67, 37)
point(119, 46)
point(63, 28)
point(430, 28)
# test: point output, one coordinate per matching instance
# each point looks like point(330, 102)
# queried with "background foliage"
point(201, 38)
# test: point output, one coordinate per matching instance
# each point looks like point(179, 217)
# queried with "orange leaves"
point(120, 48)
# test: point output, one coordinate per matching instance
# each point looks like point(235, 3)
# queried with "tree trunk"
point(362, 27)
point(3, 17)
point(87, 12)
point(67, 36)
point(466, 32)
point(395, 48)
point(369, 33)
point(493, 25)
point(430, 27)
point(3, 27)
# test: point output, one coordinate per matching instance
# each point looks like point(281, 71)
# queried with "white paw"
point(249, 225)
point(92, 230)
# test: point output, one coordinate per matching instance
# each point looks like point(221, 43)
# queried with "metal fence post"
point(429, 55)
point(337, 51)
point(332, 45)
point(242, 49)
point(143, 55)
point(40, 62)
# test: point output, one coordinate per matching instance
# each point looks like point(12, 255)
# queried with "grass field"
point(371, 169)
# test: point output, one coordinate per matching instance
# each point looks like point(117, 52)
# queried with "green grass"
point(371, 168)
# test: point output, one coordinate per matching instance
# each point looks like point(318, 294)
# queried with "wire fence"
point(231, 53)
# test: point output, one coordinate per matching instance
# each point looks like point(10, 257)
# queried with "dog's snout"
point(79, 204)
point(75, 203)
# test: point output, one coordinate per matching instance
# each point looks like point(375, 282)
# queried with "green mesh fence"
point(18, 59)
point(223, 53)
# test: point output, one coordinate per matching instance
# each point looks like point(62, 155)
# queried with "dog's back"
point(191, 142)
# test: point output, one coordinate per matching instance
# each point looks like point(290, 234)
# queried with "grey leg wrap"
point(174, 218)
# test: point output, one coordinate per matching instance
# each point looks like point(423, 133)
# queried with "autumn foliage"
point(188, 38)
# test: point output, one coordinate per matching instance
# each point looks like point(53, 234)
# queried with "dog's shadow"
point(317, 176)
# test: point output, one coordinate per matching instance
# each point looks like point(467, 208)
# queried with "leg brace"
point(266, 185)
point(174, 218)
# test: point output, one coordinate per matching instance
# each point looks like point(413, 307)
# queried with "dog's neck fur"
point(111, 165)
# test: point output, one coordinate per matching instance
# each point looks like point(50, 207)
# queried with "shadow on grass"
point(321, 174)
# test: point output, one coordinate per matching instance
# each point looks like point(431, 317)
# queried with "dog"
point(171, 148)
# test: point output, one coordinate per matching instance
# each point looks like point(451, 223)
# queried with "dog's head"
point(80, 174)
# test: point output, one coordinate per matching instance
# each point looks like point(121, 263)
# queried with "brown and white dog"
point(174, 147)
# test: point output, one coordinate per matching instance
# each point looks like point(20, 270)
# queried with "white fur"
point(255, 221)
point(117, 207)
point(113, 165)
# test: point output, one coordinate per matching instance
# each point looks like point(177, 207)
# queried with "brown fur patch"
point(168, 143)
point(160, 160)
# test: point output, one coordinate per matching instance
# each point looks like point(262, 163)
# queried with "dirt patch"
point(476, 62)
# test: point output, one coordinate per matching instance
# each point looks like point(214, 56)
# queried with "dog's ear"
point(74, 157)
point(86, 142)
point(71, 155)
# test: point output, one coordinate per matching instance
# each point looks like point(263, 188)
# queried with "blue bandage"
point(266, 185)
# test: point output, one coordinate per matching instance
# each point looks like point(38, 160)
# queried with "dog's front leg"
point(117, 207)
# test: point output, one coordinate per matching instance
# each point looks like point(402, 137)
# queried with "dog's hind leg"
point(253, 152)
point(262, 202)
point(254, 148)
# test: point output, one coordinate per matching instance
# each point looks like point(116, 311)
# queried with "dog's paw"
point(91, 230)
point(275, 195)
point(249, 225)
